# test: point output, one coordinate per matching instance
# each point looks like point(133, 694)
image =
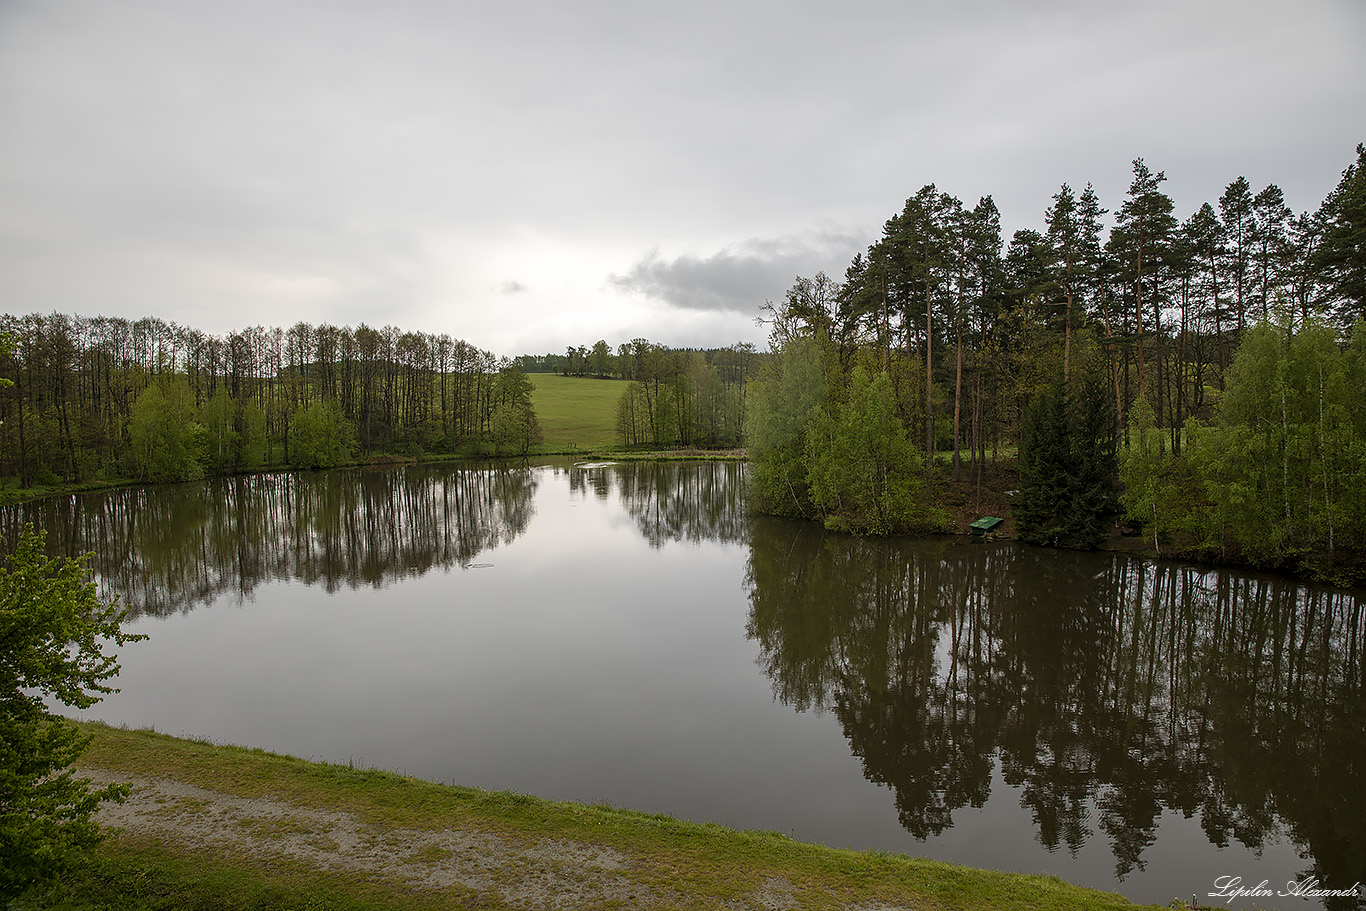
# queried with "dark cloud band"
point(740, 278)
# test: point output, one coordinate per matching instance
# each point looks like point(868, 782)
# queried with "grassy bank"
point(663, 862)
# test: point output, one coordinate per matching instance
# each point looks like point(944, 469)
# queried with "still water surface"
point(625, 634)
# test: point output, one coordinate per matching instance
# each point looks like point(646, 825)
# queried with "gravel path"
point(476, 869)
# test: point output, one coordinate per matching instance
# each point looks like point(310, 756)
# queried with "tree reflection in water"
point(172, 548)
point(674, 501)
point(1108, 688)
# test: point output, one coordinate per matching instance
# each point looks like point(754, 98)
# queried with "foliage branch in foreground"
point(53, 633)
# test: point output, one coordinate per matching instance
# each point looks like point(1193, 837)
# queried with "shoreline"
point(397, 841)
point(954, 500)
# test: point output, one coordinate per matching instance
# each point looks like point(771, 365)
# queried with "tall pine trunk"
point(929, 378)
point(958, 392)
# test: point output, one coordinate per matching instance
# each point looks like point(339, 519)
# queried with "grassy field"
point(576, 412)
point(661, 861)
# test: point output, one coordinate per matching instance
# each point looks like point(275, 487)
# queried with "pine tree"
point(1270, 245)
point(1065, 236)
point(1341, 253)
point(1235, 211)
point(1204, 235)
point(1139, 244)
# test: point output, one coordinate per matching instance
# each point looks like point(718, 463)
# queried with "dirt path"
point(475, 868)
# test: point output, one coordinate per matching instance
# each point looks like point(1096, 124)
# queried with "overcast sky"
point(530, 175)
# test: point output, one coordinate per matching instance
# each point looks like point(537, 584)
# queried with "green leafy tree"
point(1259, 416)
point(6, 349)
point(166, 438)
point(514, 429)
point(252, 437)
point(665, 412)
point(634, 415)
point(1278, 479)
point(1286, 462)
point(1161, 489)
point(221, 439)
point(321, 436)
point(783, 400)
point(53, 633)
point(513, 386)
point(600, 358)
point(865, 472)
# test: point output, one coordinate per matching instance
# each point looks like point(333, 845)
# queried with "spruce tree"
point(1092, 497)
point(1044, 458)
point(1068, 466)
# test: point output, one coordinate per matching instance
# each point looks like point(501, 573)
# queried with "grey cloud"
point(267, 161)
point(738, 278)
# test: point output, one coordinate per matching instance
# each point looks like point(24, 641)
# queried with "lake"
point(626, 634)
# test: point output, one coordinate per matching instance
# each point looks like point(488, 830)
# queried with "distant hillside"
point(576, 411)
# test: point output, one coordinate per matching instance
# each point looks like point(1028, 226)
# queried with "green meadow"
point(576, 412)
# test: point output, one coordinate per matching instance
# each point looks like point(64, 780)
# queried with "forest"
point(107, 398)
point(104, 398)
point(1201, 380)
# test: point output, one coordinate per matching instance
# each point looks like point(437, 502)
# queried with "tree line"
point(635, 359)
point(969, 349)
point(106, 397)
point(689, 398)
